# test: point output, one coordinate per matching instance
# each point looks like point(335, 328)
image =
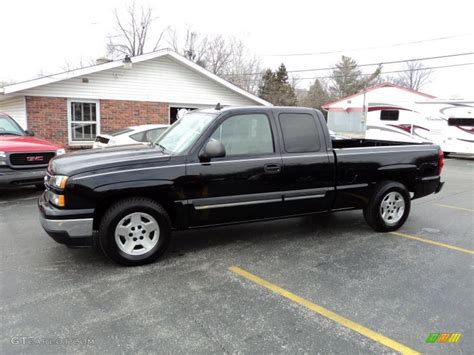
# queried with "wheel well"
point(408, 180)
point(405, 181)
point(104, 204)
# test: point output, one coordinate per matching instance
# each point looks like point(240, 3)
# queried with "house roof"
point(375, 87)
point(49, 79)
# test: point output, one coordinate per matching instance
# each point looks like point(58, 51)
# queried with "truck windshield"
point(9, 127)
point(185, 132)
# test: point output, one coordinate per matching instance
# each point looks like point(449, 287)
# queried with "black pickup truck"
point(219, 166)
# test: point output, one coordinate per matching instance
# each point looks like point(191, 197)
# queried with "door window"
point(246, 135)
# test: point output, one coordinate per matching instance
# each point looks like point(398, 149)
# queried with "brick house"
point(71, 108)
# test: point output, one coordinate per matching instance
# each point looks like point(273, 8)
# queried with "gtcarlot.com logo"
point(444, 338)
point(27, 340)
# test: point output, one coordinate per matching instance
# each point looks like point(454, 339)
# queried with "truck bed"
point(361, 163)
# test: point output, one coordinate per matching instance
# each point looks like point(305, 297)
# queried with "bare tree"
point(5, 83)
point(80, 62)
point(192, 45)
point(244, 70)
point(135, 32)
point(220, 52)
point(211, 52)
point(415, 77)
point(223, 56)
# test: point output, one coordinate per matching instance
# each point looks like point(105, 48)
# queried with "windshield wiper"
point(11, 133)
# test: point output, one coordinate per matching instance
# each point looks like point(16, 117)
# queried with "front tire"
point(135, 231)
point(389, 207)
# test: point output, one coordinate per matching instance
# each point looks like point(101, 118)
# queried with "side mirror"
point(212, 149)
point(29, 133)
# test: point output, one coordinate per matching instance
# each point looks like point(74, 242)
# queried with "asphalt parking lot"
point(318, 284)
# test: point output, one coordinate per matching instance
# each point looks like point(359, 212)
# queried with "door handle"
point(272, 168)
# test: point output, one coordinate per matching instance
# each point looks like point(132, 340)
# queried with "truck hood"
point(101, 159)
point(10, 144)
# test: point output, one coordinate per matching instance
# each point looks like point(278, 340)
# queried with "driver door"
point(246, 183)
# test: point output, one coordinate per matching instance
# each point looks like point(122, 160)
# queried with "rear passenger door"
point(308, 168)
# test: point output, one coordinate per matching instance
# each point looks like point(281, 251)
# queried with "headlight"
point(58, 181)
point(60, 152)
point(3, 158)
point(57, 200)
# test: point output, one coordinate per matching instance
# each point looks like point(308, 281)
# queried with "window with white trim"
point(83, 121)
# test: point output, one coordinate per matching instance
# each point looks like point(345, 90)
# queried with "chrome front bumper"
point(70, 227)
point(72, 232)
point(10, 177)
point(73, 228)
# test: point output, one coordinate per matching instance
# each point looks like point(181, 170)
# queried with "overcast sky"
point(39, 36)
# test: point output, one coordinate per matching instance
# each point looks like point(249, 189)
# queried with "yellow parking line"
point(379, 338)
point(428, 241)
point(454, 207)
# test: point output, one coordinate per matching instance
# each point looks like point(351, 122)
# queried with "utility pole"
point(363, 119)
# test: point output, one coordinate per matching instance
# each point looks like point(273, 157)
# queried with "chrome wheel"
point(392, 208)
point(137, 233)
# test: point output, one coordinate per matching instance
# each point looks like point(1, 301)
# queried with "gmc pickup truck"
point(229, 165)
point(23, 158)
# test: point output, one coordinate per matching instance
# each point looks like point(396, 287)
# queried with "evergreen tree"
point(276, 88)
point(267, 86)
point(347, 79)
point(317, 95)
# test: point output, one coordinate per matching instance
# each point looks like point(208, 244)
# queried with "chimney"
point(102, 60)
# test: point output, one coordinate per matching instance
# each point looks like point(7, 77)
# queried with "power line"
point(373, 64)
point(389, 62)
point(393, 71)
point(400, 44)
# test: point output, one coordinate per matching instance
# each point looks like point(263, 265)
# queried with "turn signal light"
point(61, 201)
point(57, 200)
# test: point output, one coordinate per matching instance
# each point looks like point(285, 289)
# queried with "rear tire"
point(389, 207)
point(135, 231)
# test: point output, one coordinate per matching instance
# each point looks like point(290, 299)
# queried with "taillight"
point(441, 161)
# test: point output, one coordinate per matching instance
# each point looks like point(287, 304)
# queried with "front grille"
point(30, 159)
point(102, 140)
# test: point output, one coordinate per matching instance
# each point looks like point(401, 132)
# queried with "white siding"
point(161, 79)
point(16, 108)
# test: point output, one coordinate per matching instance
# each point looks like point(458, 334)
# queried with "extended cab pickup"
point(229, 165)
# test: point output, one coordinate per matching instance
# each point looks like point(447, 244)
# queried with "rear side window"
point(300, 133)
point(153, 134)
point(139, 137)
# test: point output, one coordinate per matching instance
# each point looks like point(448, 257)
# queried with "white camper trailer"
point(389, 112)
point(448, 123)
